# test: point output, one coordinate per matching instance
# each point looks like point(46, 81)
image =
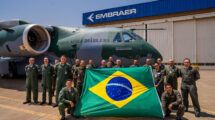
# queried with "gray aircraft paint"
point(86, 47)
point(14, 46)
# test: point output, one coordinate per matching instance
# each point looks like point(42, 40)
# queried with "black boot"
point(178, 118)
point(26, 102)
point(197, 114)
point(167, 115)
point(55, 105)
point(186, 109)
point(35, 102)
point(63, 118)
point(50, 103)
point(68, 111)
point(42, 103)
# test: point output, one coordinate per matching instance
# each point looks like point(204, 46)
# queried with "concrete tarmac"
point(12, 95)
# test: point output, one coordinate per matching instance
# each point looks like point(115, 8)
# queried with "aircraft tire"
point(11, 75)
point(2, 75)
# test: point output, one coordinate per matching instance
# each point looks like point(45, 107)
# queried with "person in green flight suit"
point(110, 62)
point(80, 73)
point(159, 79)
point(32, 71)
point(103, 64)
point(74, 68)
point(188, 85)
point(148, 63)
point(47, 77)
point(90, 65)
point(172, 100)
point(63, 72)
point(118, 64)
point(68, 98)
point(161, 65)
point(172, 73)
point(136, 64)
point(54, 77)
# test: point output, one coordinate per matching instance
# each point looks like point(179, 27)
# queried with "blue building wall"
point(160, 7)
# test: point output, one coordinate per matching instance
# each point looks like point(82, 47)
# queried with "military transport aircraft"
point(20, 39)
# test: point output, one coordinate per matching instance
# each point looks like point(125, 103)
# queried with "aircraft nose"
point(151, 51)
point(157, 54)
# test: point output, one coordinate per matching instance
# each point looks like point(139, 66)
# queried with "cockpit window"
point(137, 36)
point(117, 38)
point(127, 37)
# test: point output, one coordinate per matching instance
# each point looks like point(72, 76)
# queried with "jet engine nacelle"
point(24, 40)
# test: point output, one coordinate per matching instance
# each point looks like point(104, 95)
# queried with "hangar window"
point(117, 38)
point(127, 37)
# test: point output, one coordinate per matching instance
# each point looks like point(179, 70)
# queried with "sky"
point(56, 12)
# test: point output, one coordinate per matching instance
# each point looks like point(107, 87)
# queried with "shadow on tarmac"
point(203, 114)
point(16, 83)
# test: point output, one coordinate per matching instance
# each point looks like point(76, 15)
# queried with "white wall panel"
point(184, 43)
point(206, 40)
point(162, 39)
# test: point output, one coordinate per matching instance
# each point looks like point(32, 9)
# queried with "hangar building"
point(189, 27)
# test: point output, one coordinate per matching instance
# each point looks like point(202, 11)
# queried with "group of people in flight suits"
point(67, 81)
point(171, 97)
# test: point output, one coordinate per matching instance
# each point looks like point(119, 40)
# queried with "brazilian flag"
point(119, 92)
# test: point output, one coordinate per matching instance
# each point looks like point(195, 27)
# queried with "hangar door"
point(184, 40)
point(162, 39)
point(206, 40)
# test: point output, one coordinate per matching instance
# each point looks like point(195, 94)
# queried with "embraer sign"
point(112, 14)
point(95, 17)
point(116, 13)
